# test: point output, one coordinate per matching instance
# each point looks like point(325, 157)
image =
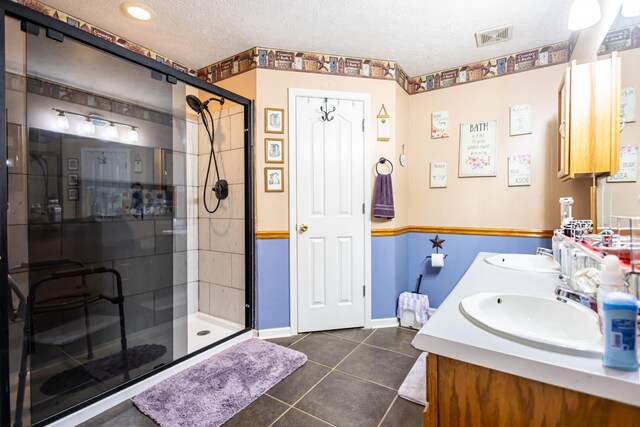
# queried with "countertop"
point(448, 333)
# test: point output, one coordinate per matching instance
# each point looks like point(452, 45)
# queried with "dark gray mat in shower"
point(80, 377)
point(213, 391)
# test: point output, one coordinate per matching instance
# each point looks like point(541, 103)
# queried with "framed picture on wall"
point(273, 180)
point(72, 164)
point(73, 180)
point(273, 150)
point(72, 194)
point(274, 120)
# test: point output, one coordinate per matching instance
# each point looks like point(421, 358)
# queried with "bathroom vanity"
point(475, 377)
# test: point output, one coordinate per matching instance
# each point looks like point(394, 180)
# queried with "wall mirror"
point(619, 195)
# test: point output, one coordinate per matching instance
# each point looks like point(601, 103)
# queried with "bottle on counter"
point(611, 280)
point(620, 326)
point(54, 210)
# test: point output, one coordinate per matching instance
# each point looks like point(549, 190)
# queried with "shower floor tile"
point(340, 392)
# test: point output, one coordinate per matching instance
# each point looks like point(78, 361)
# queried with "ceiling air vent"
point(494, 35)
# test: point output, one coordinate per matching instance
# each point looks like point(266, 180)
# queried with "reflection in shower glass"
point(98, 222)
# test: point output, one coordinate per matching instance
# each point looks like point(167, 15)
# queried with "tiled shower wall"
point(221, 234)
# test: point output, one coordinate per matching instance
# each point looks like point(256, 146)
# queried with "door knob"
point(303, 228)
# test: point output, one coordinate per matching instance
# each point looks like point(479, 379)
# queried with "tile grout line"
point(320, 380)
point(388, 410)
point(393, 351)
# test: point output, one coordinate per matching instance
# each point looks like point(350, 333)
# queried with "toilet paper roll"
point(437, 260)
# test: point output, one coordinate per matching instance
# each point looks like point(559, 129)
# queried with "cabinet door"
point(607, 120)
point(581, 124)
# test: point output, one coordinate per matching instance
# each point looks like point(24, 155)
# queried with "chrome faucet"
point(588, 300)
point(544, 251)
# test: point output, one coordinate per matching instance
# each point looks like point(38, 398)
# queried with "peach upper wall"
point(466, 202)
point(488, 201)
point(273, 91)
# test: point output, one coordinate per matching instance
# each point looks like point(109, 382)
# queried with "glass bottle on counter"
point(54, 210)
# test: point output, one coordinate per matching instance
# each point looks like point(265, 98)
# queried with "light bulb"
point(133, 134)
point(112, 131)
point(630, 8)
point(583, 14)
point(88, 127)
point(62, 122)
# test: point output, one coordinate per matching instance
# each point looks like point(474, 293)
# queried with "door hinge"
point(364, 291)
point(363, 209)
point(362, 125)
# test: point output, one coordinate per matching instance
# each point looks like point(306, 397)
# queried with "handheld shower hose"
point(221, 187)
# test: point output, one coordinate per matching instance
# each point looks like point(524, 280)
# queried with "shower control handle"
point(303, 228)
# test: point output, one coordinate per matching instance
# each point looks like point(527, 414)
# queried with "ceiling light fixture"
point(90, 122)
point(62, 122)
point(137, 11)
point(630, 8)
point(133, 134)
point(583, 14)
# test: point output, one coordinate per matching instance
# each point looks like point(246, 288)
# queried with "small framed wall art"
point(384, 125)
point(439, 124)
point(520, 120)
point(273, 150)
point(72, 164)
point(274, 120)
point(72, 194)
point(273, 180)
point(72, 179)
point(519, 170)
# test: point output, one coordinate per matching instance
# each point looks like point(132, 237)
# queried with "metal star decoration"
point(437, 242)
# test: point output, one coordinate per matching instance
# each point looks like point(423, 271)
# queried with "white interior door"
point(330, 214)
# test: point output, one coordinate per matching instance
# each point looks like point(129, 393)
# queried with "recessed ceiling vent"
point(494, 35)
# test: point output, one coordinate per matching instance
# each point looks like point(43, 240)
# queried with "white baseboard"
point(109, 402)
point(384, 323)
point(266, 334)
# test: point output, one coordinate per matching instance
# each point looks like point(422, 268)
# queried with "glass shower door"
point(96, 235)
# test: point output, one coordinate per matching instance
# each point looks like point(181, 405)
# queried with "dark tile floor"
point(351, 379)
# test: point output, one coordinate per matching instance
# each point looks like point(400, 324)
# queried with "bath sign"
point(438, 174)
point(478, 149)
point(628, 165)
point(519, 170)
point(439, 124)
point(520, 120)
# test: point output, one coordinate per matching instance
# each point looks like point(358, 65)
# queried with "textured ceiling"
point(421, 35)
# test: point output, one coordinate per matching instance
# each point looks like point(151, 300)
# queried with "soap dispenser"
point(611, 280)
point(620, 328)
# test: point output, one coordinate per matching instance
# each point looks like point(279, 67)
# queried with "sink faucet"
point(564, 294)
point(544, 251)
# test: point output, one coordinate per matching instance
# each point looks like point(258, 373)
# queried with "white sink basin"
point(524, 262)
point(542, 322)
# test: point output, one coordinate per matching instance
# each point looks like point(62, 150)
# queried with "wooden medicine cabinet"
point(589, 119)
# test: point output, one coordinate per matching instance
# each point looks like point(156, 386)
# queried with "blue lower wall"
point(396, 264)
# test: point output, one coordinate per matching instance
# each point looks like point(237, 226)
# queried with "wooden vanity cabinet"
point(462, 394)
point(589, 119)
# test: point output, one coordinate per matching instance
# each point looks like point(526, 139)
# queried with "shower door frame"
point(57, 30)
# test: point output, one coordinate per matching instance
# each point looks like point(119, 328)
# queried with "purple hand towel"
point(383, 198)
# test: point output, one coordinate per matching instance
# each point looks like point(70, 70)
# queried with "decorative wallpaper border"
point(556, 53)
point(310, 62)
point(79, 97)
point(620, 39)
point(322, 63)
point(103, 34)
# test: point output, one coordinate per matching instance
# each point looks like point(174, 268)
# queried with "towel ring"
point(383, 161)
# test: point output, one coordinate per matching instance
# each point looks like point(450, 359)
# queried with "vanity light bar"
point(92, 120)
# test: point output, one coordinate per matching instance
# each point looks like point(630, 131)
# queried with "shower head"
point(198, 106)
point(194, 103)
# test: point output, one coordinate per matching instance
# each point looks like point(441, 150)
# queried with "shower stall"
point(128, 244)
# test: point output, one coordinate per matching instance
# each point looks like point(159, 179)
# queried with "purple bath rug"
point(211, 392)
